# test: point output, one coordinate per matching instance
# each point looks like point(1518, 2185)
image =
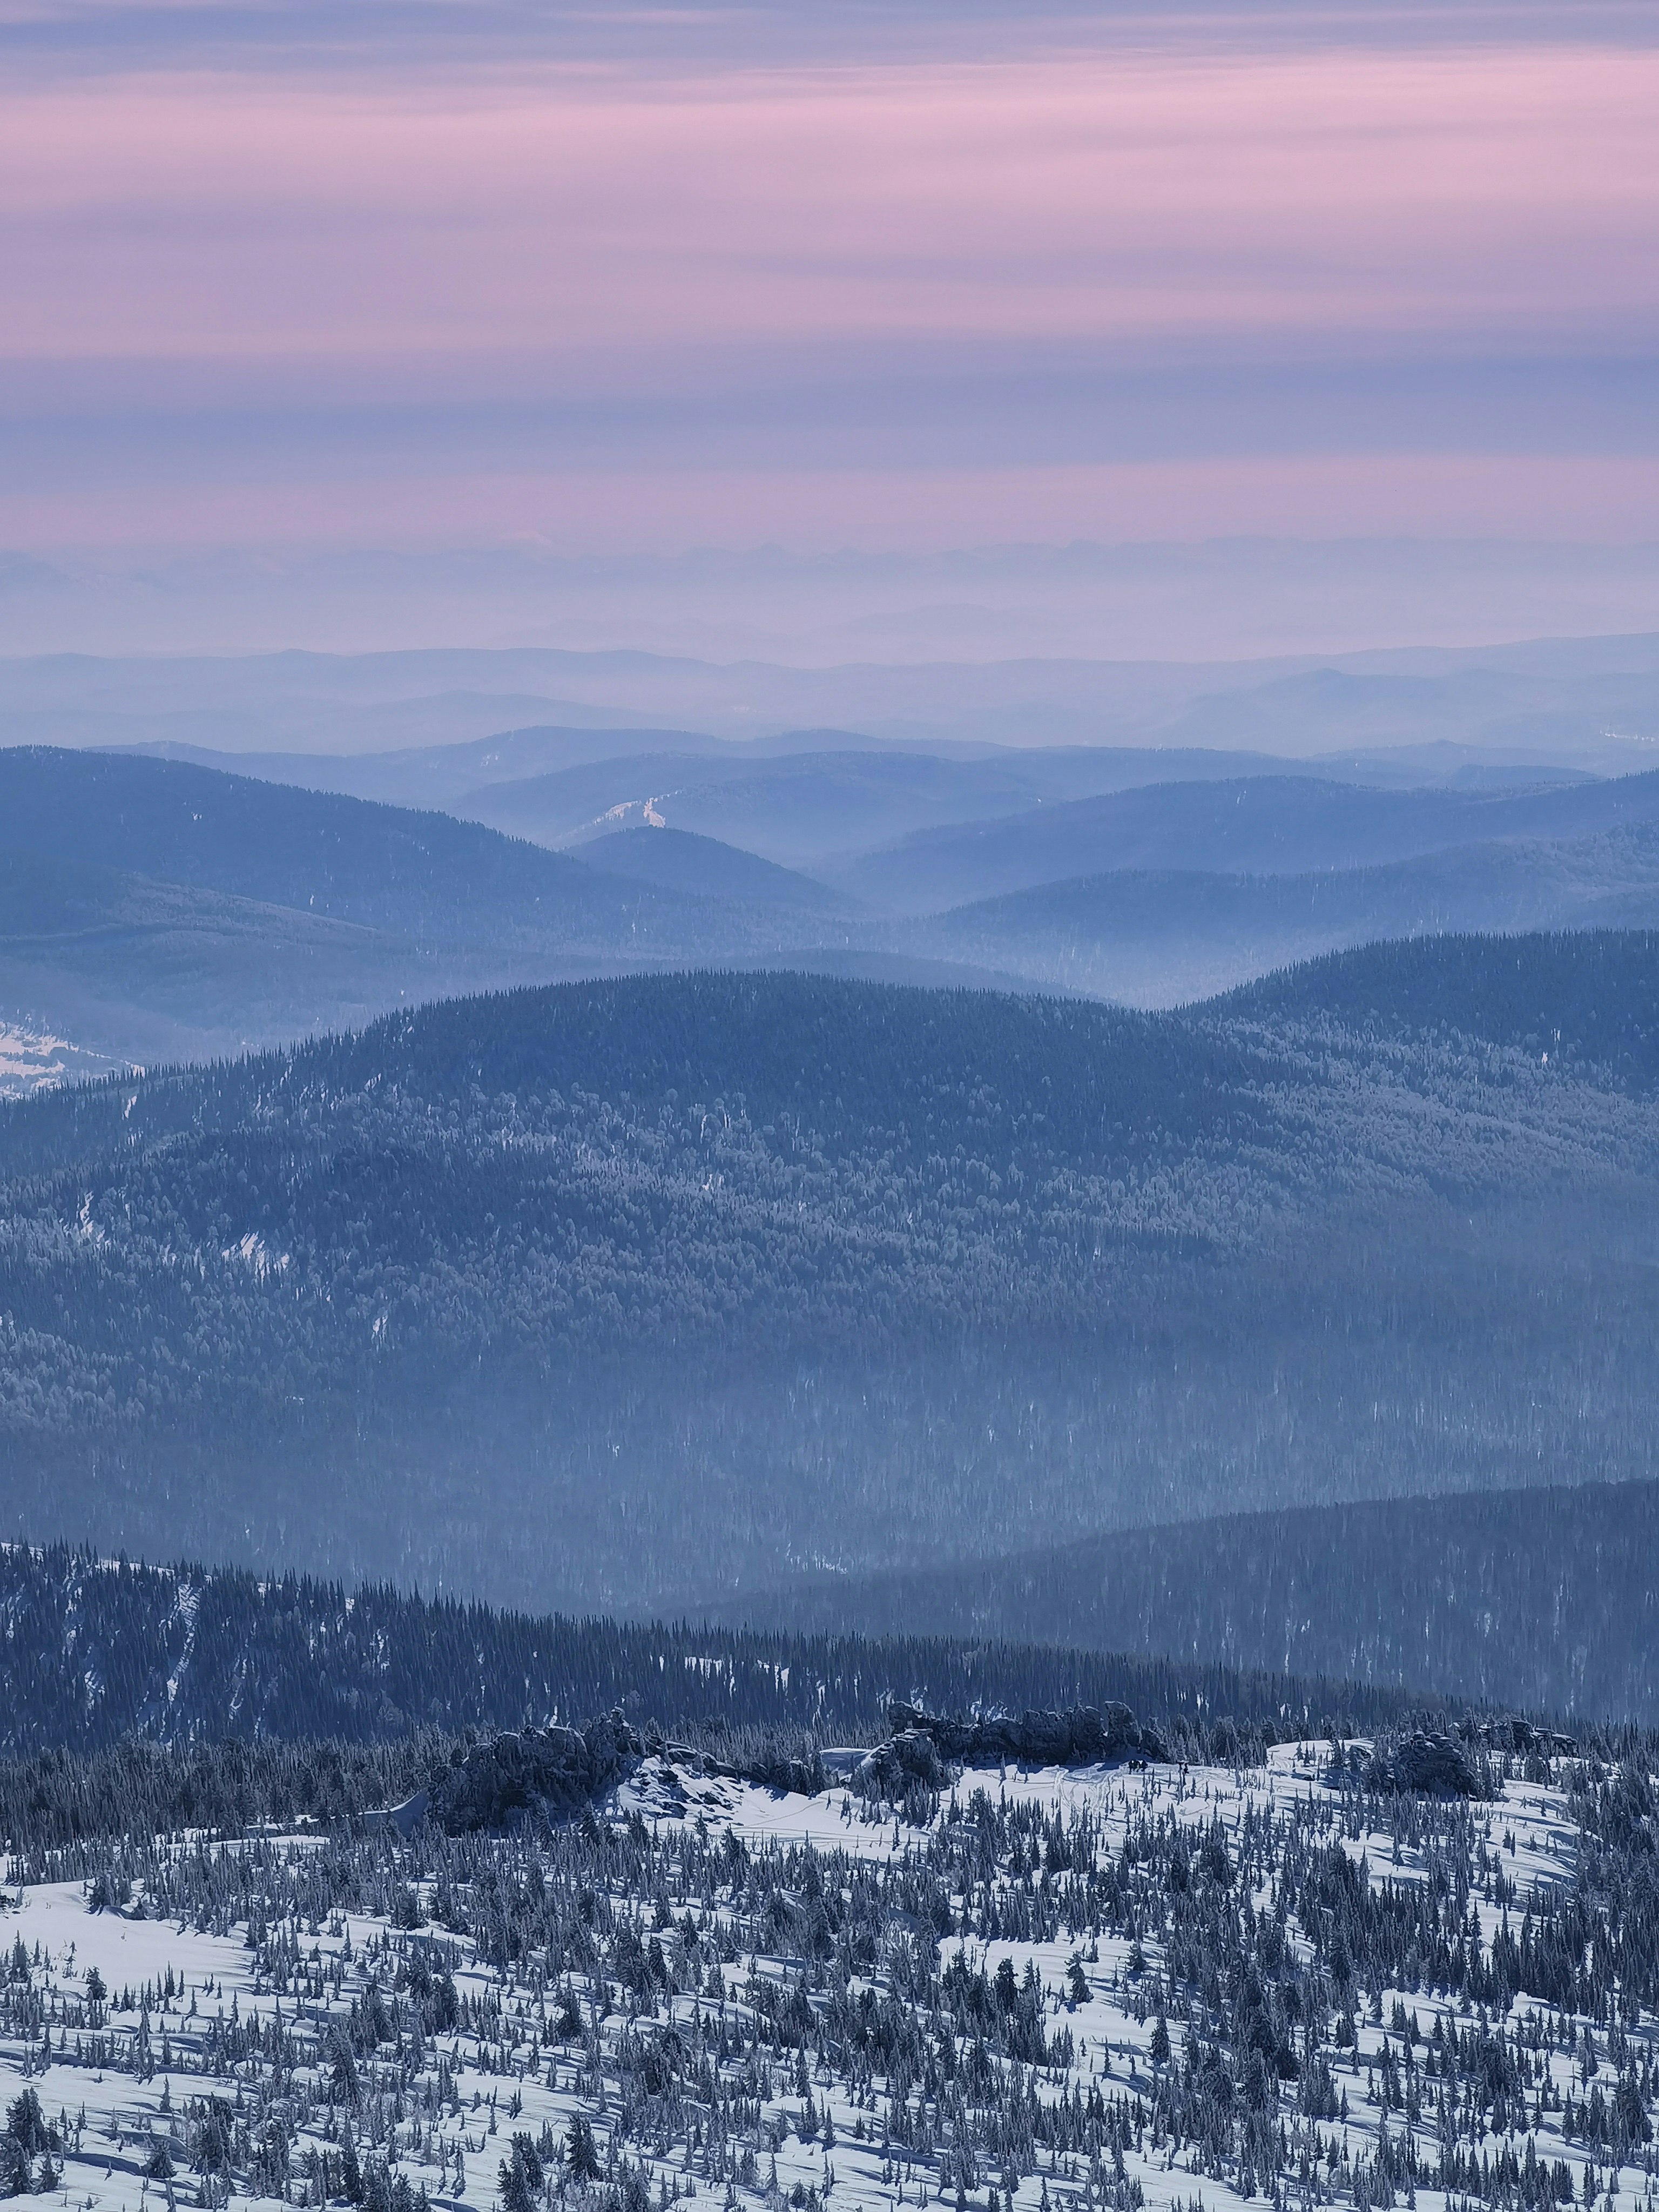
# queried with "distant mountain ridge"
point(1542, 1598)
point(425, 875)
point(795, 808)
point(98, 1652)
point(1262, 825)
point(1153, 939)
point(435, 774)
point(688, 1278)
point(1550, 692)
point(153, 909)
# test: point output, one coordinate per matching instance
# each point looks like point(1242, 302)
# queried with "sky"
point(289, 283)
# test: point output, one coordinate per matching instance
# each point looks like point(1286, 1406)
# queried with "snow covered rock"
point(551, 1773)
point(1430, 1764)
point(1081, 1737)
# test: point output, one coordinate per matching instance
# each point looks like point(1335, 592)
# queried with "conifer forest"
point(812, 1590)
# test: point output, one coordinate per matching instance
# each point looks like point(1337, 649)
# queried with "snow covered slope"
point(1060, 1988)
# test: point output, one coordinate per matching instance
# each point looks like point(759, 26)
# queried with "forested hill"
point(842, 1064)
point(1544, 1598)
point(698, 1282)
point(153, 910)
point(93, 1653)
point(422, 875)
point(1590, 995)
point(851, 1062)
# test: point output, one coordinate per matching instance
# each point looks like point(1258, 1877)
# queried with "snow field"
point(460, 2094)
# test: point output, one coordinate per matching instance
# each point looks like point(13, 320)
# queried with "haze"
point(321, 331)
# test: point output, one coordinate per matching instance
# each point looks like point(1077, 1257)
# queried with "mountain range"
point(153, 909)
point(1145, 1193)
point(1148, 937)
point(1595, 700)
point(1272, 825)
point(703, 1282)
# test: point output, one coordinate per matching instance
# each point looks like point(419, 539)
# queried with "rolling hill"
point(1257, 825)
point(795, 811)
point(426, 876)
point(699, 1281)
point(1156, 939)
point(680, 861)
point(1569, 999)
point(155, 910)
point(1541, 1598)
point(145, 970)
point(799, 801)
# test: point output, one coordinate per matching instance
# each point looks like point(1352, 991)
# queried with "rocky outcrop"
point(1429, 1764)
point(923, 1743)
point(538, 1773)
point(551, 1773)
point(1522, 1736)
point(772, 1770)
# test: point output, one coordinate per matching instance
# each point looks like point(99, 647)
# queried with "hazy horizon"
point(1225, 603)
point(1216, 333)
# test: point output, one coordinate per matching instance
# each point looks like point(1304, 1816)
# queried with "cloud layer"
point(653, 280)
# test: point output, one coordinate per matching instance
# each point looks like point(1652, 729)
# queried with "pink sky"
point(1116, 289)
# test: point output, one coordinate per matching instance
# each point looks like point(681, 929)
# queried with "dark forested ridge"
point(1543, 1598)
point(695, 1282)
point(1590, 996)
point(96, 1653)
point(922, 1072)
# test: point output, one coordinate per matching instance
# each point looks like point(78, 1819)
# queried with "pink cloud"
point(1132, 198)
point(1527, 497)
point(190, 244)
